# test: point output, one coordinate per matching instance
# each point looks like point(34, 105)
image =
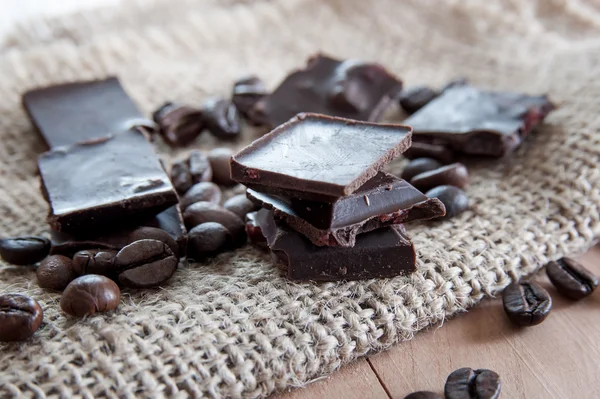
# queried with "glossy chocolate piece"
point(385, 252)
point(317, 154)
point(478, 122)
point(350, 89)
point(99, 183)
point(382, 201)
point(69, 113)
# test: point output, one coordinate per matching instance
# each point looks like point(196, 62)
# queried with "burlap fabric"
point(235, 327)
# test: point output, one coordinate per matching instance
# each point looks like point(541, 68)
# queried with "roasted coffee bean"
point(426, 150)
point(199, 167)
point(254, 232)
point(424, 395)
point(467, 383)
point(219, 159)
point(461, 81)
point(145, 263)
point(24, 250)
point(240, 205)
point(179, 124)
point(205, 191)
point(418, 166)
point(95, 261)
point(246, 92)
point(526, 303)
point(415, 98)
point(20, 317)
point(208, 239)
point(153, 233)
point(180, 176)
point(90, 294)
point(455, 175)
point(55, 272)
point(203, 212)
point(571, 279)
point(454, 199)
point(222, 119)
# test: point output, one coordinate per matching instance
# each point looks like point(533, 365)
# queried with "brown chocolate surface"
point(385, 252)
point(317, 154)
point(350, 89)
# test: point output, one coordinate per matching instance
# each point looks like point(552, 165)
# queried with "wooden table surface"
point(559, 358)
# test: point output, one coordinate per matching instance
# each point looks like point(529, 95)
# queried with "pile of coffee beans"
point(466, 383)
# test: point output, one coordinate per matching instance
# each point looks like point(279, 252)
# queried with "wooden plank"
point(354, 381)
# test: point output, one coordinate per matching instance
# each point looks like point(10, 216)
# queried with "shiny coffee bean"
point(145, 263)
point(90, 294)
point(20, 317)
point(95, 261)
point(571, 278)
point(222, 119)
point(454, 199)
point(219, 162)
point(203, 212)
point(418, 166)
point(179, 124)
point(55, 272)
point(180, 176)
point(247, 92)
point(426, 150)
point(208, 239)
point(415, 98)
point(199, 167)
point(526, 303)
point(240, 205)
point(424, 395)
point(153, 233)
point(254, 232)
point(467, 383)
point(205, 191)
point(455, 175)
point(24, 250)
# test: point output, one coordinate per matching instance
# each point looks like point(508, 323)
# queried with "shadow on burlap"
point(235, 327)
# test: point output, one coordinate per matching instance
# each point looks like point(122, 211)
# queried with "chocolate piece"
point(382, 201)
point(171, 221)
point(350, 89)
point(179, 124)
point(317, 154)
point(479, 122)
point(428, 150)
point(69, 113)
point(96, 184)
point(253, 231)
point(384, 252)
point(454, 199)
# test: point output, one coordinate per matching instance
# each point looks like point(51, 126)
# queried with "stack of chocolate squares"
point(329, 212)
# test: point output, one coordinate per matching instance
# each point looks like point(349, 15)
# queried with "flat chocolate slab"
point(350, 89)
point(69, 113)
point(319, 154)
point(385, 252)
point(97, 184)
point(382, 201)
point(479, 122)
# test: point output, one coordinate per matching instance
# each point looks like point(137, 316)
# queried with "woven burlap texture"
point(235, 327)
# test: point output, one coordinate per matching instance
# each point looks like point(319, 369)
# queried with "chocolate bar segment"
point(322, 155)
point(69, 113)
point(349, 89)
point(382, 201)
point(479, 122)
point(99, 183)
point(385, 252)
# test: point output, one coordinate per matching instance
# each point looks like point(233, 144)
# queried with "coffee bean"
point(415, 98)
point(467, 383)
point(208, 239)
point(90, 294)
point(454, 199)
point(205, 191)
point(202, 212)
point(246, 92)
point(424, 395)
point(153, 233)
point(526, 303)
point(240, 205)
point(20, 317)
point(455, 175)
point(55, 272)
point(145, 263)
point(180, 176)
point(25, 250)
point(571, 279)
point(427, 150)
point(95, 261)
point(222, 119)
point(219, 159)
point(199, 167)
point(418, 166)
point(179, 124)
point(254, 232)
